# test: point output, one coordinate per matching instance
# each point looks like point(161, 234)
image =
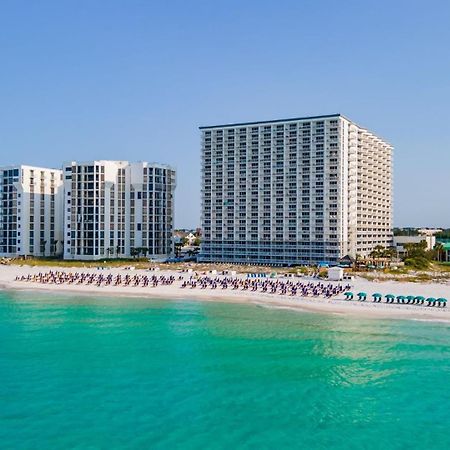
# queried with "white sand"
point(337, 305)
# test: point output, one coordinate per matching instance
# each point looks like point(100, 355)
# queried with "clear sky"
point(134, 79)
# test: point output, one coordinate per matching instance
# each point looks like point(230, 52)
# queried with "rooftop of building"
point(292, 119)
point(118, 162)
point(26, 166)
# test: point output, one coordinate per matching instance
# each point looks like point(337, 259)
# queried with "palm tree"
point(54, 247)
point(439, 248)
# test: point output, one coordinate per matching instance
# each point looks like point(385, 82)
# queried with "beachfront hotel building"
point(118, 209)
point(31, 211)
point(294, 191)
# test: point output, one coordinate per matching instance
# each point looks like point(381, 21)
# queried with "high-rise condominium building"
point(294, 191)
point(118, 209)
point(31, 211)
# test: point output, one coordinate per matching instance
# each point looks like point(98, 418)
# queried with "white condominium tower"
point(294, 191)
point(31, 211)
point(116, 209)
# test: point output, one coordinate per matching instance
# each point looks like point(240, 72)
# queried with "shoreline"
point(336, 305)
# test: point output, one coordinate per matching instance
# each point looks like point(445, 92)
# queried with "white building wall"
point(295, 191)
point(115, 207)
point(31, 211)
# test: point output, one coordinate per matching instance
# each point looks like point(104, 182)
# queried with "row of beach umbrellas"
point(404, 299)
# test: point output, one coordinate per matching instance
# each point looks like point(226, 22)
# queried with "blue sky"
point(134, 80)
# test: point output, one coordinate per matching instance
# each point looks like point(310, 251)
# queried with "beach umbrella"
point(389, 297)
point(400, 298)
point(362, 295)
point(419, 299)
point(442, 300)
point(349, 295)
point(410, 298)
point(431, 300)
point(377, 296)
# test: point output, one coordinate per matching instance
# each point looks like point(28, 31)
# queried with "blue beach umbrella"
point(419, 299)
point(377, 296)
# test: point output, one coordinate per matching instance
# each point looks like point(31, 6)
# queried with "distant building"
point(113, 207)
point(429, 231)
point(184, 236)
point(31, 211)
point(191, 237)
point(446, 255)
point(294, 191)
point(400, 241)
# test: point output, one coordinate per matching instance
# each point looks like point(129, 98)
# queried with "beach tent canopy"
point(362, 294)
point(377, 294)
point(390, 296)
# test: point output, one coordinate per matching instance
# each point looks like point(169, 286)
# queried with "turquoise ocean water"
point(101, 373)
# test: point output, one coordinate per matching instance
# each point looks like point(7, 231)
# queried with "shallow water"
point(80, 372)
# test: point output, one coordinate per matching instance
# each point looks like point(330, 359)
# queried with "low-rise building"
point(401, 241)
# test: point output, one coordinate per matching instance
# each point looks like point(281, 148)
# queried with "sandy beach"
point(336, 305)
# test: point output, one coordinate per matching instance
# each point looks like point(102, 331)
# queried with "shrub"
point(418, 263)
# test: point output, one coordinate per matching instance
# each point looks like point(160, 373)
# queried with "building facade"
point(115, 209)
point(399, 242)
point(31, 211)
point(294, 191)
